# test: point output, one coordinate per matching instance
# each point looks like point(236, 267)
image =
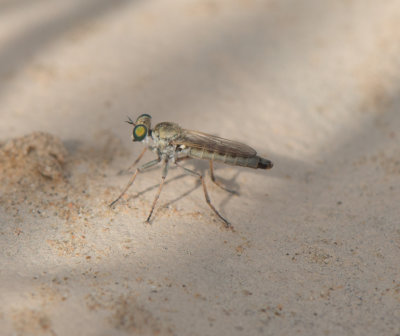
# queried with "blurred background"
point(282, 69)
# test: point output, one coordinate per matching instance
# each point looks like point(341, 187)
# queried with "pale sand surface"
point(312, 85)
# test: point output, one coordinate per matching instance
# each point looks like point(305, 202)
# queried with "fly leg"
point(133, 164)
point(217, 182)
point(164, 175)
point(132, 179)
point(192, 172)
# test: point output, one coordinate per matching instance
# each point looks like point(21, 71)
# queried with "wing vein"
point(215, 144)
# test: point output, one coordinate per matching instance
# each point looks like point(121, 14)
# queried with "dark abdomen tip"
point(265, 164)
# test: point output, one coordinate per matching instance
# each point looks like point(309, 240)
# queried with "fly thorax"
point(167, 131)
point(156, 139)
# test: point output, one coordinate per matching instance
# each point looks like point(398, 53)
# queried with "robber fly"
point(172, 144)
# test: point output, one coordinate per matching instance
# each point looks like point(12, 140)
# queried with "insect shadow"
point(199, 167)
point(202, 169)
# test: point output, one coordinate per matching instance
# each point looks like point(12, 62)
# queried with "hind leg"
point(217, 182)
point(192, 172)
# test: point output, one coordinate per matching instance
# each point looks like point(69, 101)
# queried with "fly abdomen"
point(250, 162)
point(264, 163)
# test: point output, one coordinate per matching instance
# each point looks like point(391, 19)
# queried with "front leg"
point(133, 164)
point(132, 179)
point(163, 177)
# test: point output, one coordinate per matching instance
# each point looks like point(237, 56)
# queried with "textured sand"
point(312, 85)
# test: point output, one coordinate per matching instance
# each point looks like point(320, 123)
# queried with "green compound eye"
point(139, 132)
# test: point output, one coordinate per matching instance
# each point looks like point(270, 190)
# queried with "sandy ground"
point(312, 85)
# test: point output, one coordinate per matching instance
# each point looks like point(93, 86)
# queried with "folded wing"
point(213, 143)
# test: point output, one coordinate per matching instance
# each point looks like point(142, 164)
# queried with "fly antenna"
point(130, 121)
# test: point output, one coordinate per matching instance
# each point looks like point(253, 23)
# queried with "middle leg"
point(217, 182)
